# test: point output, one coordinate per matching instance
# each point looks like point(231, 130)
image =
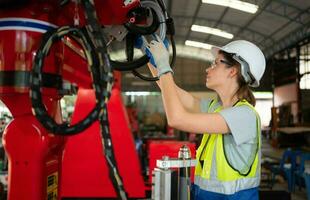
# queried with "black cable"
point(170, 31)
point(102, 77)
point(36, 82)
point(132, 65)
point(162, 6)
point(144, 30)
point(96, 34)
point(174, 51)
point(172, 62)
point(137, 30)
point(130, 45)
point(129, 65)
point(101, 71)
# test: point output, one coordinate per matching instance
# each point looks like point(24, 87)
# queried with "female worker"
point(228, 157)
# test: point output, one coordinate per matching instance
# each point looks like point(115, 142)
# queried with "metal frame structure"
point(162, 177)
point(276, 26)
point(278, 8)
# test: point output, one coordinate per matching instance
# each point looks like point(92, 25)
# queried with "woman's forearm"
point(172, 104)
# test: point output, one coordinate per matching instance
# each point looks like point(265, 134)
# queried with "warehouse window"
point(304, 67)
point(263, 106)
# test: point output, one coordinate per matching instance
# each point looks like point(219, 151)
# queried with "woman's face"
point(217, 73)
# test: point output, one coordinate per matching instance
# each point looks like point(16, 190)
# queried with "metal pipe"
point(184, 175)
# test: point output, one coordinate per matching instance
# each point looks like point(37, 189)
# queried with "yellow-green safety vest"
point(214, 173)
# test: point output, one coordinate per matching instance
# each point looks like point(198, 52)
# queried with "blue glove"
point(160, 54)
point(141, 43)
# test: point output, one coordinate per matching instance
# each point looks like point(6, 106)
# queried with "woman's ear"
point(233, 71)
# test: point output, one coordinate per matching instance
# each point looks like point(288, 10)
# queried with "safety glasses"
point(215, 63)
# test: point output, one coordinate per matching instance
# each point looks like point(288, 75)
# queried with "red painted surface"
point(159, 148)
point(85, 173)
point(18, 47)
point(114, 11)
point(34, 153)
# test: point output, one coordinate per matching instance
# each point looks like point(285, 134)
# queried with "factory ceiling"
point(275, 26)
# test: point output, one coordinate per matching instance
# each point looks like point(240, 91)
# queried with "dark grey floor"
point(269, 152)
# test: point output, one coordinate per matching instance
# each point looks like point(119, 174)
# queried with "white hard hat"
point(250, 57)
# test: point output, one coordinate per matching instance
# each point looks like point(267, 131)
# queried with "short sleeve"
point(205, 104)
point(241, 121)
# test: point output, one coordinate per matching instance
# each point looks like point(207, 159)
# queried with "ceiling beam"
point(285, 25)
point(218, 22)
point(232, 26)
point(193, 19)
point(265, 4)
point(285, 2)
point(291, 39)
point(282, 12)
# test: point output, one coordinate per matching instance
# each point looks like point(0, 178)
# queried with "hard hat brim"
point(215, 50)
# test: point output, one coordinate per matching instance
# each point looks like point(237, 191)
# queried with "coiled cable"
point(38, 107)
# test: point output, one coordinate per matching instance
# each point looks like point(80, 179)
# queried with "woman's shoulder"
point(242, 112)
point(242, 122)
point(247, 109)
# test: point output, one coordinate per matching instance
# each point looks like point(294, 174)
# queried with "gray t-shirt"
point(242, 143)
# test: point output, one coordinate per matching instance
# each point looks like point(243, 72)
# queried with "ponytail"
point(244, 92)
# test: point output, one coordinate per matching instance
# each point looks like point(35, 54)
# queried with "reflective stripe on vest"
point(227, 180)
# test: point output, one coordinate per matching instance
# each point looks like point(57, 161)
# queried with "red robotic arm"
point(35, 167)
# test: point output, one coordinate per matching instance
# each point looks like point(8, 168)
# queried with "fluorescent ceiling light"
point(198, 44)
point(236, 4)
point(137, 93)
point(213, 31)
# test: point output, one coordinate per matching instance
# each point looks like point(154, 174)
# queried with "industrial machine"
point(168, 185)
point(52, 48)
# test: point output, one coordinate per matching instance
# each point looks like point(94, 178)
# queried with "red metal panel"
point(114, 11)
point(34, 154)
point(85, 173)
point(19, 42)
point(159, 148)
